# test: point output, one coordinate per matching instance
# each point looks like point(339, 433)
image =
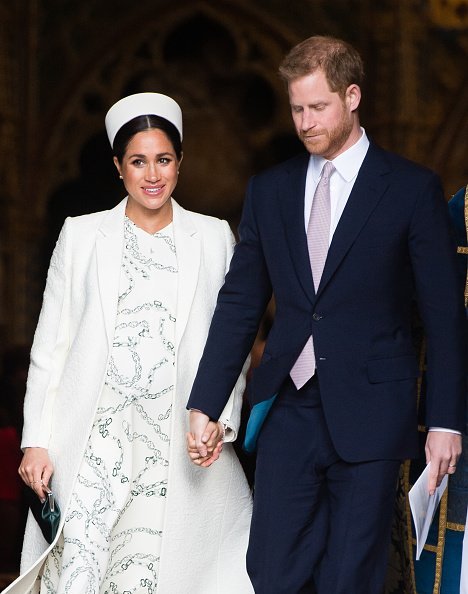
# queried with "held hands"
point(442, 451)
point(35, 470)
point(205, 439)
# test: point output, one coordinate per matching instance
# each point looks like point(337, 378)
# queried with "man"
point(333, 399)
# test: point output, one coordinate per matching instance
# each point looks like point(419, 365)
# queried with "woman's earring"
point(120, 177)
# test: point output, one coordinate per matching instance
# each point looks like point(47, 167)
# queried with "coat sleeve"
point(231, 413)
point(239, 309)
point(50, 346)
point(440, 302)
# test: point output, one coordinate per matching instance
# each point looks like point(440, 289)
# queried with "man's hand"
point(205, 439)
point(36, 469)
point(195, 456)
point(442, 451)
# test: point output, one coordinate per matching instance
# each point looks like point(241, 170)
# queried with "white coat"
point(207, 510)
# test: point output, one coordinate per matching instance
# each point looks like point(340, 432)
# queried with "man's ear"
point(353, 97)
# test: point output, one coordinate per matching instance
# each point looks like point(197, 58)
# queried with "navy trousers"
point(320, 525)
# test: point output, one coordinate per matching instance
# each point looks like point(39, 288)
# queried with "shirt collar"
point(347, 164)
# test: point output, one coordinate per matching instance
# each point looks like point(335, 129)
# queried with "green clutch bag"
point(46, 514)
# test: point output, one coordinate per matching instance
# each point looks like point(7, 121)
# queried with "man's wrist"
point(444, 430)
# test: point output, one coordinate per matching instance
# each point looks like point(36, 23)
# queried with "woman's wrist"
point(223, 428)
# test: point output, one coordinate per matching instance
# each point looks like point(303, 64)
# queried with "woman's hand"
point(36, 469)
point(214, 445)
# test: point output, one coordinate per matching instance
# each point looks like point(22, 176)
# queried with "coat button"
point(316, 317)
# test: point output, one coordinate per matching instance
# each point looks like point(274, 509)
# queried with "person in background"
point(441, 565)
point(344, 235)
point(129, 297)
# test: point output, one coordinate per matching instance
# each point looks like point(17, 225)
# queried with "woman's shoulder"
point(203, 222)
point(92, 219)
point(207, 220)
point(91, 222)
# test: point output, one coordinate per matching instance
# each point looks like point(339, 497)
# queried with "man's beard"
point(328, 142)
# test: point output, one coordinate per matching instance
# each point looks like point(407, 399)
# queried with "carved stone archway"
point(219, 59)
point(219, 62)
point(222, 70)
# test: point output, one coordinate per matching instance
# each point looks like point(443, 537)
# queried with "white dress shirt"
point(342, 180)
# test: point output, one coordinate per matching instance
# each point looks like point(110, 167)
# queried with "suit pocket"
point(392, 369)
point(267, 378)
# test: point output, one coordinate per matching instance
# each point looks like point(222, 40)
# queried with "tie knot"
point(327, 170)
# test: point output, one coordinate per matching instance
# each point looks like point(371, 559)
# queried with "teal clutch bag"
point(46, 514)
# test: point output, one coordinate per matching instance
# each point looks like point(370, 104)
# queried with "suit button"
point(316, 317)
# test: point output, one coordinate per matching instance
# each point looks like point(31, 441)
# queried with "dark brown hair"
point(140, 124)
point(340, 62)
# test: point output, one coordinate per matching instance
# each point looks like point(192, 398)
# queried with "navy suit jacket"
point(392, 244)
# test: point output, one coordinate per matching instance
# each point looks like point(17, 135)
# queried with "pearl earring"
point(120, 177)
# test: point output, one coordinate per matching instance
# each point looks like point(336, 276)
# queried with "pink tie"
point(318, 236)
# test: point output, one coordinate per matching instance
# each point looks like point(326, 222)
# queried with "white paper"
point(423, 507)
point(464, 569)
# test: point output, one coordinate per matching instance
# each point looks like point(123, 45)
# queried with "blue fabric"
point(255, 422)
point(451, 567)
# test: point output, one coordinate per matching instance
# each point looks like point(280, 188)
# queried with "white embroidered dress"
point(113, 531)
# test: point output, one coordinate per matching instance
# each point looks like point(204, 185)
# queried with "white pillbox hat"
point(142, 104)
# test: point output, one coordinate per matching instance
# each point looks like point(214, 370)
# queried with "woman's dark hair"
point(141, 123)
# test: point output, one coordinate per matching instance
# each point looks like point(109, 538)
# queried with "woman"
point(127, 306)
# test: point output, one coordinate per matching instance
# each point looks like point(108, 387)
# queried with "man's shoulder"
point(399, 163)
point(294, 164)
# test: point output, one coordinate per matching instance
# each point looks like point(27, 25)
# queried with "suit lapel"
point(367, 191)
point(292, 206)
point(109, 247)
point(187, 242)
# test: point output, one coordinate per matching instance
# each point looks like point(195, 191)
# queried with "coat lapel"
point(292, 207)
point(367, 191)
point(109, 247)
point(187, 243)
